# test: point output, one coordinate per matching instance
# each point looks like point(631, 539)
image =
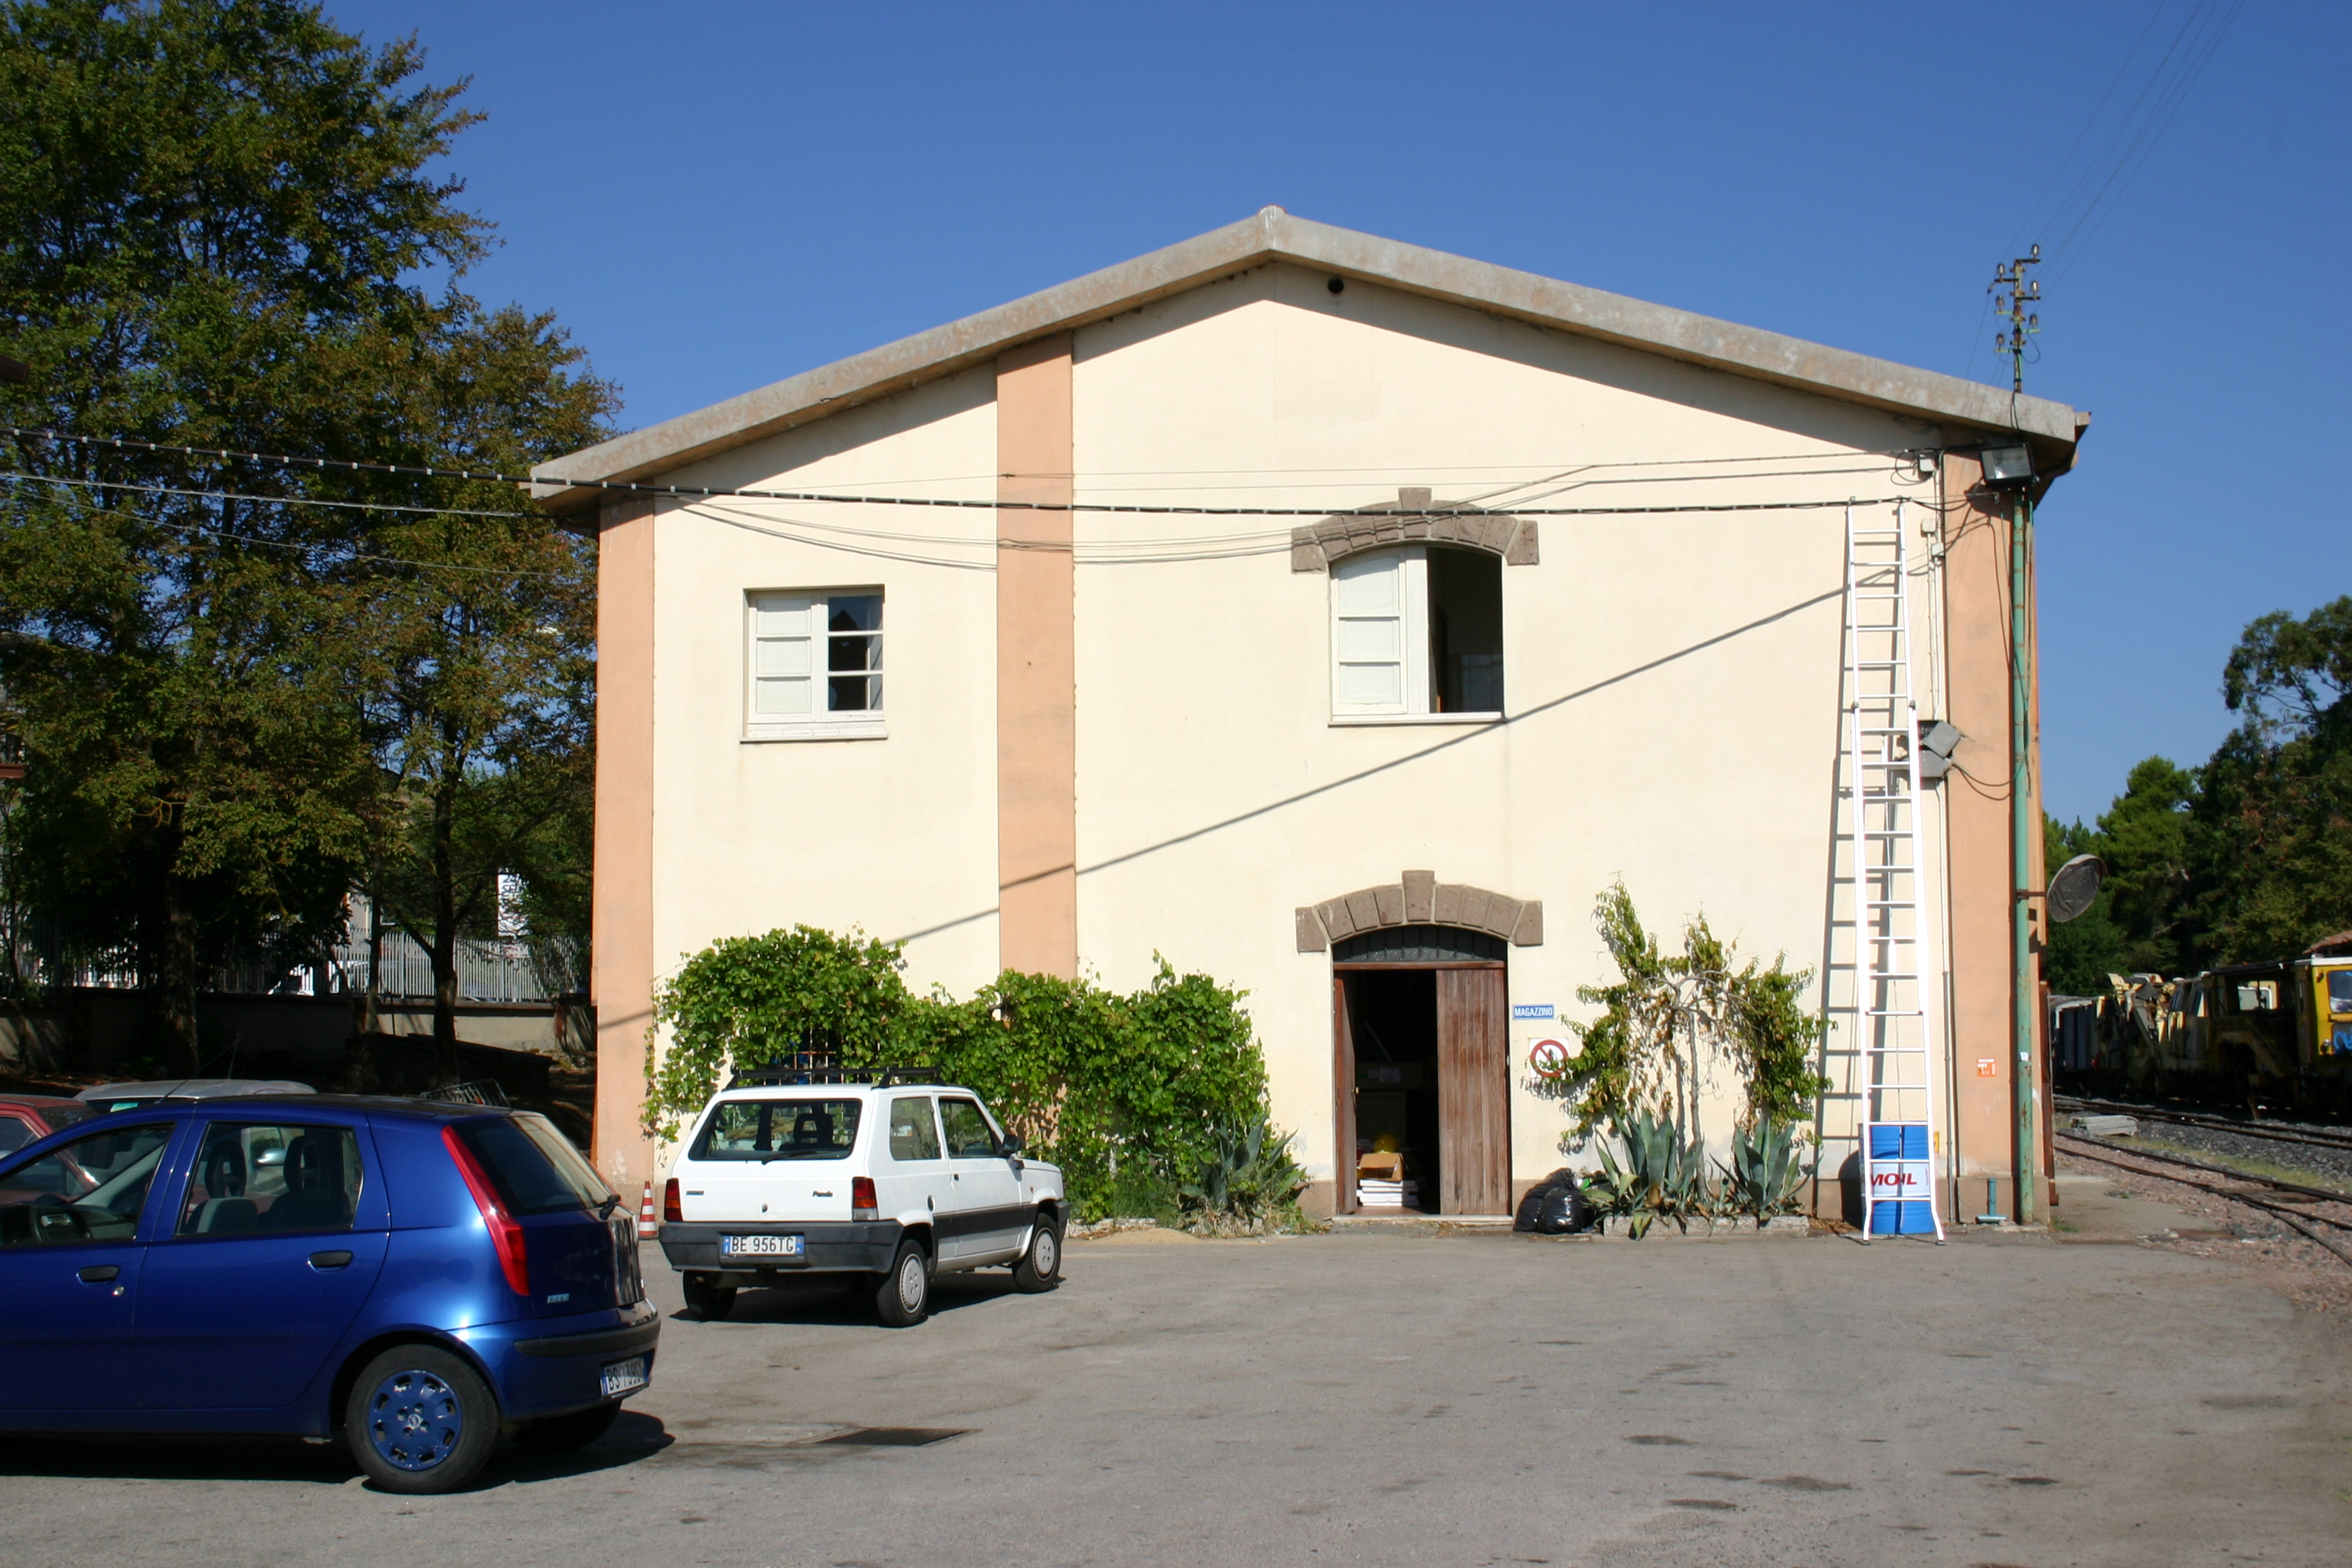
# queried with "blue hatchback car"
point(419, 1276)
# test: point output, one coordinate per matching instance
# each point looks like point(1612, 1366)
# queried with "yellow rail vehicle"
point(2278, 1031)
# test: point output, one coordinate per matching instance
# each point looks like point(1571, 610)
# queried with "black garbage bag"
point(1530, 1208)
point(1555, 1206)
point(1564, 1212)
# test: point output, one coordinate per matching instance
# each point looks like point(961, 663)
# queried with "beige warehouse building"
point(1526, 588)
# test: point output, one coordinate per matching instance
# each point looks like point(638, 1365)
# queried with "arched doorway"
point(1422, 1069)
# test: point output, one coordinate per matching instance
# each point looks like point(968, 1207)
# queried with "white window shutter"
point(783, 656)
point(1380, 633)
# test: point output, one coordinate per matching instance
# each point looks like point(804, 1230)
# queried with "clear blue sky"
point(714, 197)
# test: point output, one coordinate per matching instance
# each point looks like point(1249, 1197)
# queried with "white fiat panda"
point(870, 1178)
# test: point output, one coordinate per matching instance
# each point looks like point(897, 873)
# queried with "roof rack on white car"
point(776, 1073)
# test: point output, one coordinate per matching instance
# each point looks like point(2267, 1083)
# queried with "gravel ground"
point(2251, 1240)
point(2328, 1168)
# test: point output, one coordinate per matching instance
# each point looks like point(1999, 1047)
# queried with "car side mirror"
point(1011, 1146)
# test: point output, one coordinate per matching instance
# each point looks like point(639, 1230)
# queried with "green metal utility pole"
point(2013, 293)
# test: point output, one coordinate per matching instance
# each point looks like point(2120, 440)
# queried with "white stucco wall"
point(897, 836)
point(1673, 682)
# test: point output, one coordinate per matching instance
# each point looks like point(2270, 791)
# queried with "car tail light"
point(671, 1213)
point(505, 1234)
point(863, 1204)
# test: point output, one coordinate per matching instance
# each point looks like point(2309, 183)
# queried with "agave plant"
point(1245, 1182)
point(1662, 1178)
point(1766, 1169)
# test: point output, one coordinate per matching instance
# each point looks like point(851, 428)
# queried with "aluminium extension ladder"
point(1894, 968)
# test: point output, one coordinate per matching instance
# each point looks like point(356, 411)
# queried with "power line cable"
point(720, 492)
point(268, 500)
point(1548, 464)
point(2058, 173)
point(203, 530)
point(2185, 84)
point(2102, 182)
point(2123, 125)
point(2058, 170)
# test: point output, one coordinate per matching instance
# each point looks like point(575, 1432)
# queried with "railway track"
point(2244, 1127)
point(2099, 1149)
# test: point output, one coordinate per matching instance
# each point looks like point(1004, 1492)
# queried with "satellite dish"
point(2074, 886)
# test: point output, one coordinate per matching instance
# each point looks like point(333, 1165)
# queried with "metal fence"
point(516, 968)
point(513, 968)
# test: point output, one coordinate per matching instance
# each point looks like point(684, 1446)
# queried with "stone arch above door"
point(1418, 897)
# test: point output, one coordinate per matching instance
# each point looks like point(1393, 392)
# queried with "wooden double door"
point(1473, 1084)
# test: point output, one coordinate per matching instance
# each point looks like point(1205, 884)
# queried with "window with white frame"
point(815, 664)
point(1417, 632)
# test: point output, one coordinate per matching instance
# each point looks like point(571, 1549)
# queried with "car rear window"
point(60, 1117)
point(766, 1129)
point(534, 1167)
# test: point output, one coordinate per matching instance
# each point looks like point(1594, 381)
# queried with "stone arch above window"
point(1406, 521)
point(1418, 897)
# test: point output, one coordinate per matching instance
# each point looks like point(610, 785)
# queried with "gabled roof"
point(1273, 235)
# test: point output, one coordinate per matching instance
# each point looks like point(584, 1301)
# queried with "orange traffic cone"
point(645, 1214)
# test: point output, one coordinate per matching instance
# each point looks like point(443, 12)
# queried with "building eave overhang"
point(1272, 235)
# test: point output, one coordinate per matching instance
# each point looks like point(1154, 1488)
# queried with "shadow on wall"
point(1465, 738)
point(1850, 1190)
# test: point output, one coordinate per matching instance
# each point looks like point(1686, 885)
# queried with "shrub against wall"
point(1112, 1088)
point(746, 1001)
point(1668, 1015)
point(1664, 1024)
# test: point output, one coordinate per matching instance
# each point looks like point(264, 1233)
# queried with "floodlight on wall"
point(2009, 467)
point(1938, 739)
point(2073, 888)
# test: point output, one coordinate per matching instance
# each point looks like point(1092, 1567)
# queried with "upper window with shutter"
point(1417, 633)
point(813, 665)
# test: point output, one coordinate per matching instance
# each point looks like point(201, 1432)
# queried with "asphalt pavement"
point(1369, 1398)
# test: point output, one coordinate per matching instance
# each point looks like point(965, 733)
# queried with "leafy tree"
point(2288, 675)
point(477, 657)
point(212, 215)
point(2088, 948)
point(2274, 815)
point(2144, 838)
point(2250, 856)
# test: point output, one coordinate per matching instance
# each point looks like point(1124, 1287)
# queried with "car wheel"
point(562, 1433)
point(711, 1304)
point(1040, 1268)
point(904, 1297)
point(420, 1420)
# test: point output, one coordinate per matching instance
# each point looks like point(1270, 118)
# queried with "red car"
point(25, 1117)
